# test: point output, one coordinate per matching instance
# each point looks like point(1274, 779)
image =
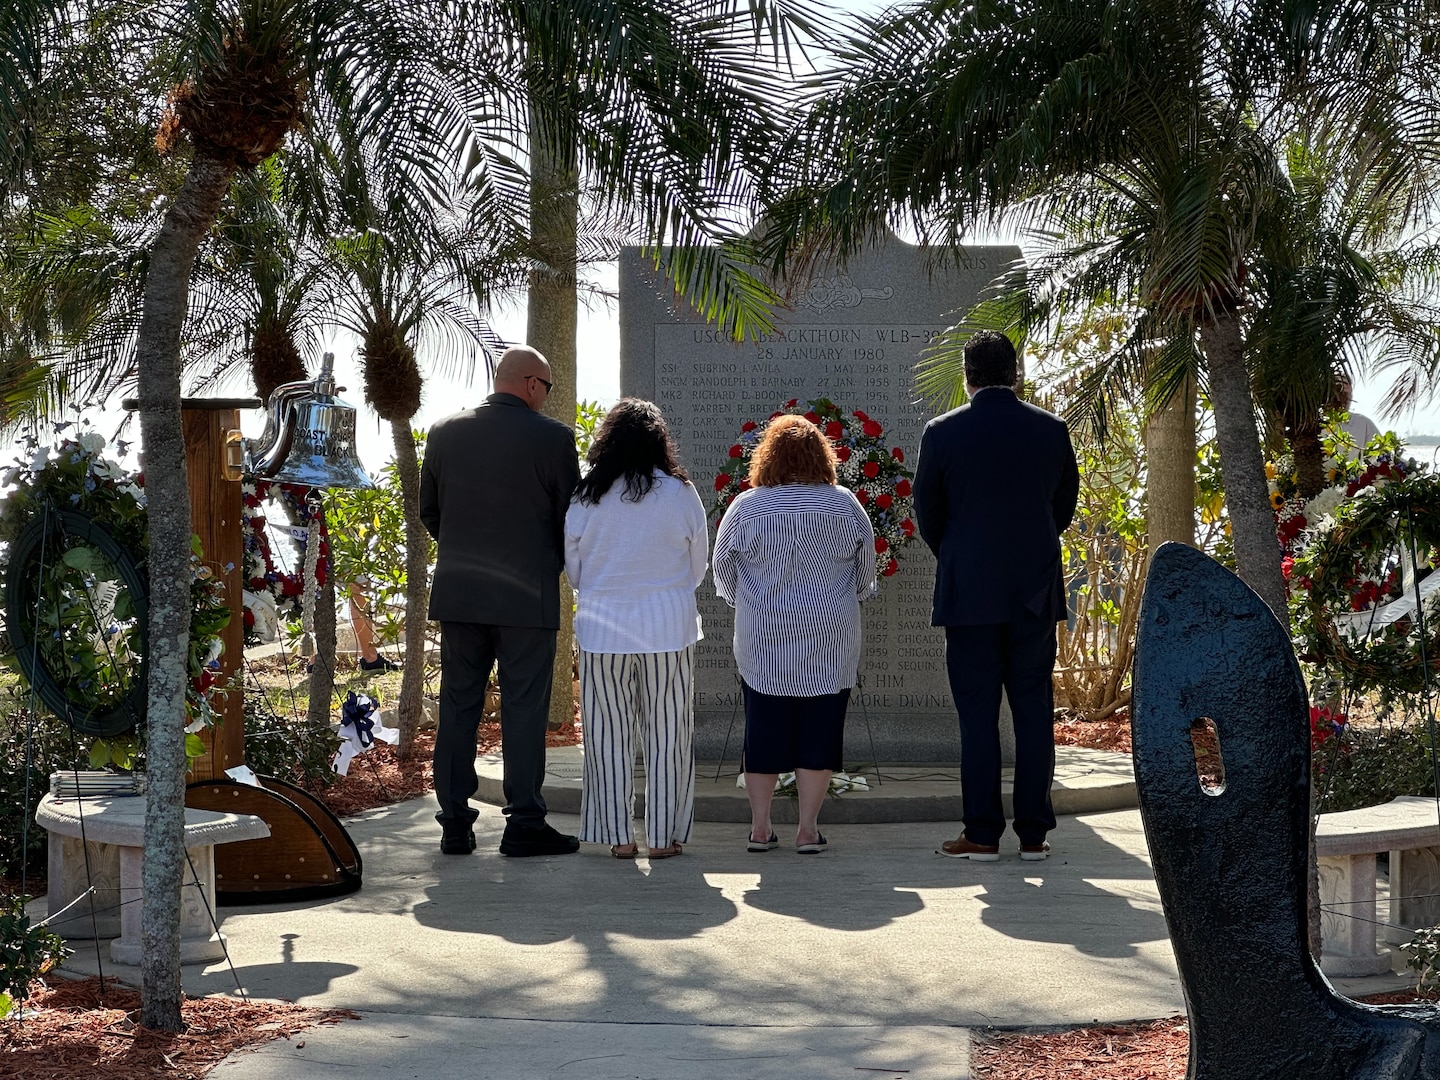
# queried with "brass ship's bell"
point(309, 436)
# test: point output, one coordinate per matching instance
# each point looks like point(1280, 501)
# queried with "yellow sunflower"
point(1276, 500)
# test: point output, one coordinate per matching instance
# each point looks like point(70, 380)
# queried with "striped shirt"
point(794, 562)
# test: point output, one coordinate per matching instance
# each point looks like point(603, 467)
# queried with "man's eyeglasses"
point(543, 382)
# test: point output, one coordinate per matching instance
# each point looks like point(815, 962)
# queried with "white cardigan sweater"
point(636, 567)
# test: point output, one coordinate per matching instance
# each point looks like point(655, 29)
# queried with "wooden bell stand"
point(308, 854)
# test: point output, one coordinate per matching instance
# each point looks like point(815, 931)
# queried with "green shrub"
point(1369, 766)
point(52, 746)
point(295, 750)
point(26, 952)
point(1422, 956)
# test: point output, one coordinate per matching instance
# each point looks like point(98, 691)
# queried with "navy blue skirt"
point(783, 734)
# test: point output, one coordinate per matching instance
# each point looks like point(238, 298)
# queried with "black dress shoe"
point(457, 843)
point(525, 840)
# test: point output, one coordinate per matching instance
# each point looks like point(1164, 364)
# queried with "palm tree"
point(1153, 122)
point(402, 276)
point(242, 70)
point(637, 122)
point(1337, 284)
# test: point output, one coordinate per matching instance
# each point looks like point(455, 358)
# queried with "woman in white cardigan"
point(635, 550)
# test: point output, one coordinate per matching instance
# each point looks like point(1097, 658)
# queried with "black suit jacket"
point(995, 486)
point(494, 488)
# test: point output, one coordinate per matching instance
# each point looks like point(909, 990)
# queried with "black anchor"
point(1230, 860)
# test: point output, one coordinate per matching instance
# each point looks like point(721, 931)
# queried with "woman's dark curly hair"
point(632, 442)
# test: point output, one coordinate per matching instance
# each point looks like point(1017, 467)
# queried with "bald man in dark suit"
point(494, 488)
point(995, 486)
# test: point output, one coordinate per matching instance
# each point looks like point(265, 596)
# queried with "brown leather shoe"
point(1035, 852)
point(963, 848)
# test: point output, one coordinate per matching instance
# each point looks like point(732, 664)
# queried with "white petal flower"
point(92, 442)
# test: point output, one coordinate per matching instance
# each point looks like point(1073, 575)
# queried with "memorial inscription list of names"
point(855, 339)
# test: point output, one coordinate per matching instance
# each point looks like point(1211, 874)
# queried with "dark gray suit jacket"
point(494, 488)
point(995, 486)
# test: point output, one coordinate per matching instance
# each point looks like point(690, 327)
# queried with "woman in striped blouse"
point(794, 556)
point(635, 551)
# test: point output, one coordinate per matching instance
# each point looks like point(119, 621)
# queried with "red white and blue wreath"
point(273, 595)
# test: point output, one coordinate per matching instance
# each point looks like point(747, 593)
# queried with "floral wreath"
point(1345, 565)
point(875, 473)
point(1293, 514)
point(284, 592)
point(77, 476)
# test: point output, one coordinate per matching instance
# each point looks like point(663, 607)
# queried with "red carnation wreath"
point(874, 472)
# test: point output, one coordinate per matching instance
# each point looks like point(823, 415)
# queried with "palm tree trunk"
point(1170, 470)
point(1309, 457)
point(1242, 466)
point(550, 327)
point(1242, 469)
point(157, 359)
point(417, 591)
point(318, 707)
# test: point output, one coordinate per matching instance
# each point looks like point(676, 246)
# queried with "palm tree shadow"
point(520, 906)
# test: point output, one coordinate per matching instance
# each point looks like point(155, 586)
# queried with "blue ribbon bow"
point(358, 710)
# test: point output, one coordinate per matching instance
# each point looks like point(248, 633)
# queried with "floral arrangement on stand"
point(281, 594)
point(874, 472)
point(1353, 597)
point(1379, 463)
point(105, 661)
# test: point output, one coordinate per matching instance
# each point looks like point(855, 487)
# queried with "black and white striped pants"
point(620, 693)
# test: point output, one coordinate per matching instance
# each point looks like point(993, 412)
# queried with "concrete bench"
point(1346, 845)
point(109, 858)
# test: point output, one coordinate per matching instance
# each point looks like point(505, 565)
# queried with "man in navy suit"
point(995, 486)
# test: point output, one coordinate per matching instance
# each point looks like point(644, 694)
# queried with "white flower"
point(40, 460)
point(1322, 504)
point(92, 442)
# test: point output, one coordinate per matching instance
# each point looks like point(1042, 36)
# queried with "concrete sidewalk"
point(872, 959)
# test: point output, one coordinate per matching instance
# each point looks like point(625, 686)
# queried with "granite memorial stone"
point(854, 336)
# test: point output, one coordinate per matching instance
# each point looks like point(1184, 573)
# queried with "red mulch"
point(1156, 1050)
point(378, 777)
point(1147, 1050)
point(67, 1030)
point(1112, 733)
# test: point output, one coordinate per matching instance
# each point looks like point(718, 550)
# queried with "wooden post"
point(215, 517)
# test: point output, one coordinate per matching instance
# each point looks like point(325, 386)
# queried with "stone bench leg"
point(1414, 892)
point(1347, 917)
point(74, 868)
point(200, 942)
